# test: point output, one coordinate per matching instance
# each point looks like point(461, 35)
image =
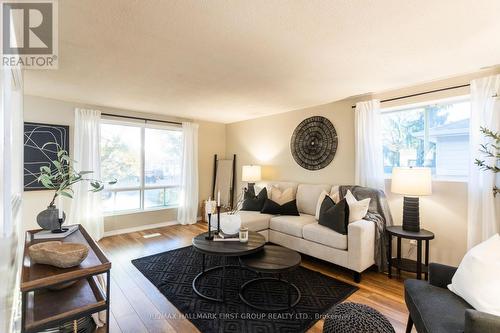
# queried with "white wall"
point(51, 111)
point(266, 141)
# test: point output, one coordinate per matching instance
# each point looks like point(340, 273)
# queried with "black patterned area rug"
point(172, 273)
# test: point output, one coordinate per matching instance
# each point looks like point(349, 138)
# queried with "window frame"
point(412, 106)
point(142, 185)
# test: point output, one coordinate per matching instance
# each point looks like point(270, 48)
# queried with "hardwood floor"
point(137, 306)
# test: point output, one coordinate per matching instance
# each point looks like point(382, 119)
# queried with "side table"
point(44, 308)
point(405, 264)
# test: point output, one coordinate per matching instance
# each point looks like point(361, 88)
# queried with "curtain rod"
point(139, 118)
point(419, 94)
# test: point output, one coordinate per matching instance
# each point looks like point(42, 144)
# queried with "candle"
point(208, 206)
point(218, 198)
point(60, 204)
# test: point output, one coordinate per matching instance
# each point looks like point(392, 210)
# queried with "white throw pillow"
point(335, 196)
point(477, 277)
point(281, 197)
point(357, 209)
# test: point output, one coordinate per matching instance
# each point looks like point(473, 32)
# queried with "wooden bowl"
point(58, 254)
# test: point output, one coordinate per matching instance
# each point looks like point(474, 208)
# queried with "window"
point(434, 135)
point(145, 160)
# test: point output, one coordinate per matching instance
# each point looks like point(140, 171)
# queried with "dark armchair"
point(435, 309)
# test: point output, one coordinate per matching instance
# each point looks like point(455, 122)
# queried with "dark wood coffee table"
point(276, 260)
point(224, 249)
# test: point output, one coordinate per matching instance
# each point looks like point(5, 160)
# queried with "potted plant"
point(60, 176)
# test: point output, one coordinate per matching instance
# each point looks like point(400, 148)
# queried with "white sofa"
point(354, 251)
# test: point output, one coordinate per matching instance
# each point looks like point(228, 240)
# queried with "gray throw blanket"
point(379, 213)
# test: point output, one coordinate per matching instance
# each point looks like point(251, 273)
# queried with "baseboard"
point(139, 228)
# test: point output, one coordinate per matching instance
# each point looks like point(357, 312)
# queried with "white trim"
point(138, 210)
point(437, 179)
point(139, 228)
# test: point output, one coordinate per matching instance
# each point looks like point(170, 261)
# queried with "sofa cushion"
point(254, 221)
point(434, 309)
point(282, 196)
point(254, 202)
point(357, 208)
point(288, 208)
point(476, 279)
point(281, 185)
point(291, 225)
point(307, 197)
point(334, 215)
point(317, 233)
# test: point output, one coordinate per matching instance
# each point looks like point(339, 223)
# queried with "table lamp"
point(251, 174)
point(412, 182)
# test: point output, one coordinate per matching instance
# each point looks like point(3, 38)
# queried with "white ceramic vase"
point(229, 224)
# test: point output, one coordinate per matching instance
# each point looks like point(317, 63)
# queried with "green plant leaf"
point(47, 183)
point(66, 194)
point(97, 189)
point(45, 169)
point(57, 164)
point(61, 153)
point(81, 173)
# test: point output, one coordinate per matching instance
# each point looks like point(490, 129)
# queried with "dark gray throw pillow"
point(253, 202)
point(272, 207)
point(334, 216)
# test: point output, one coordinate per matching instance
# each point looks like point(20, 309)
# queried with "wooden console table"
point(43, 308)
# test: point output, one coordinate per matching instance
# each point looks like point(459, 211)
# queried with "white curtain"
point(86, 206)
point(188, 200)
point(369, 167)
point(11, 190)
point(483, 208)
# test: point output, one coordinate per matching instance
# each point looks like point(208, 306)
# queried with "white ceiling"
point(230, 60)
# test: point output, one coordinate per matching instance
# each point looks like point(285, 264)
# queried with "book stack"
point(47, 234)
point(222, 237)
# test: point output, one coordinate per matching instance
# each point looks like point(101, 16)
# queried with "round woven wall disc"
point(314, 143)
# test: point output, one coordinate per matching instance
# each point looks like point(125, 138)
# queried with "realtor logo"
point(29, 34)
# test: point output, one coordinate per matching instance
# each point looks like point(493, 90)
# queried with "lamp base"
point(411, 214)
point(250, 187)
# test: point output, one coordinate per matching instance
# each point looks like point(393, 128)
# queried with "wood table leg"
point(419, 259)
point(23, 310)
point(399, 255)
point(427, 259)
point(389, 256)
point(108, 293)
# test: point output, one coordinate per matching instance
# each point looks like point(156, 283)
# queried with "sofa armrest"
point(441, 275)
point(480, 322)
point(360, 245)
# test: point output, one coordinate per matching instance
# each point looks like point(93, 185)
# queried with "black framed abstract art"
point(36, 135)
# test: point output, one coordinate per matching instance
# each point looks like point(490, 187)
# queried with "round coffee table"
point(272, 259)
point(224, 249)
